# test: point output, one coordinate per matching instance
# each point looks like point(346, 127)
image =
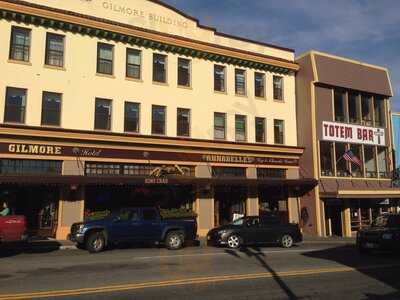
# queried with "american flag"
point(349, 156)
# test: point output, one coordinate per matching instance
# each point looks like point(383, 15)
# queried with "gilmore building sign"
point(349, 133)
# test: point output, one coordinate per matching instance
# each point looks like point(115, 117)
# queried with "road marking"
point(187, 281)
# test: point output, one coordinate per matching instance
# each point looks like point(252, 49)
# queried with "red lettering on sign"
point(359, 133)
point(326, 129)
point(349, 133)
point(331, 130)
point(371, 135)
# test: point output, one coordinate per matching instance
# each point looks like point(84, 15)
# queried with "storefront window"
point(28, 166)
point(366, 110)
point(379, 112)
point(356, 169)
point(370, 162)
point(339, 101)
point(354, 108)
point(383, 162)
point(228, 172)
point(271, 173)
point(342, 169)
point(326, 157)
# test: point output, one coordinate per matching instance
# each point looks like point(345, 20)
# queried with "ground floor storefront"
point(56, 178)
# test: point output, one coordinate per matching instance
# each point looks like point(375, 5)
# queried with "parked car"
point(13, 229)
point(384, 234)
point(255, 230)
point(144, 225)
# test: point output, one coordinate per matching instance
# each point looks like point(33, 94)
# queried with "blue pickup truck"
point(144, 225)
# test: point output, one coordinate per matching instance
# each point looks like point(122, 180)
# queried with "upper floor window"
point(132, 117)
point(54, 50)
point(51, 109)
point(183, 122)
point(278, 87)
point(326, 158)
point(103, 111)
point(342, 165)
point(240, 82)
point(158, 120)
point(15, 105)
point(240, 128)
point(133, 63)
point(379, 112)
point(159, 68)
point(105, 56)
point(20, 43)
point(354, 108)
point(370, 161)
point(260, 130)
point(219, 78)
point(259, 85)
point(279, 132)
point(366, 109)
point(339, 106)
point(356, 168)
point(219, 126)
point(184, 66)
point(383, 162)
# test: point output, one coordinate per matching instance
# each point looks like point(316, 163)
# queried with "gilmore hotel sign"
point(349, 133)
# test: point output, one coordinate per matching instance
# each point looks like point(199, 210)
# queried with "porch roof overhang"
point(291, 187)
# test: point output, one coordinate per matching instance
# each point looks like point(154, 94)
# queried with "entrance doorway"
point(333, 219)
point(230, 202)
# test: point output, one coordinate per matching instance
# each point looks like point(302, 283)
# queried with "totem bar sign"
point(104, 153)
point(349, 133)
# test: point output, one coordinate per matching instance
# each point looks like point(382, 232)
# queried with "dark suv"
point(255, 230)
point(384, 234)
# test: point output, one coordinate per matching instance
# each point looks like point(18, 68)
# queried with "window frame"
point(126, 103)
point(110, 114)
point(264, 122)
point(98, 71)
point(244, 74)
point(263, 85)
point(12, 45)
point(43, 111)
point(283, 133)
point(215, 127)
point(223, 90)
point(46, 58)
point(153, 107)
point(178, 132)
point(154, 77)
point(244, 120)
point(282, 94)
point(189, 79)
point(8, 88)
point(127, 64)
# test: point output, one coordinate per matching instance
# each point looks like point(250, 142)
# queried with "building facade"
point(344, 122)
point(396, 139)
point(115, 103)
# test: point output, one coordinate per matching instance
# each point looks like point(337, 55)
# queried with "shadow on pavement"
point(255, 252)
point(12, 249)
point(366, 264)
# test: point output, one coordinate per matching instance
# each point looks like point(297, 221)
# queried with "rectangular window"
point(132, 117)
point(354, 108)
point(326, 158)
point(54, 50)
point(370, 161)
point(20, 43)
point(219, 126)
point(30, 166)
point(105, 56)
point(356, 170)
point(183, 122)
point(15, 105)
point(339, 106)
point(342, 165)
point(260, 130)
point(159, 68)
point(240, 82)
point(158, 120)
point(51, 109)
point(219, 78)
point(103, 114)
point(240, 128)
point(379, 112)
point(271, 173)
point(184, 66)
point(259, 85)
point(278, 87)
point(228, 172)
point(366, 109)
point(133, 63)
point(279, 132)
point(383, 162)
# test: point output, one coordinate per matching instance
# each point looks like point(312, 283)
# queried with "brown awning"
point(293, 187)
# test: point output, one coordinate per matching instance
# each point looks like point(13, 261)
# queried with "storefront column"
point(252, 203)
point(293, 203)
point(346, 219)
point(204, 203)
point(72, 200)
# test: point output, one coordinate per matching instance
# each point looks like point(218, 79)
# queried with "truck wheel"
point(174, 240)
point(95, 242)
point(286, 241)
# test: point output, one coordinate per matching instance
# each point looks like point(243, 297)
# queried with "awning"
point(366, 193)
point(293, 187)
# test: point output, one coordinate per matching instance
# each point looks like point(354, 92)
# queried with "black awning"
point(294, 187)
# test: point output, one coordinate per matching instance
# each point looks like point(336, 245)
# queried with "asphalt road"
point(310, 271)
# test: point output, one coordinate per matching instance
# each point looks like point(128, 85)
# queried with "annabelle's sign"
point(348, 133)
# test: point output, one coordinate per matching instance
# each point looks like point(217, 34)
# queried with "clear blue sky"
point(366, 30)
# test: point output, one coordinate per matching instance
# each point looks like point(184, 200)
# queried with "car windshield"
point(381, 221)
point(238, 222)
